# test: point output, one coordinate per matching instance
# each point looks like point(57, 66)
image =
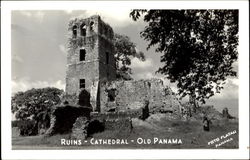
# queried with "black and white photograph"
point(126, 78)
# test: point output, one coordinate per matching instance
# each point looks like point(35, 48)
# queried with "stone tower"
point(90, 58)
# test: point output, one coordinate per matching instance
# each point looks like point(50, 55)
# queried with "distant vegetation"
point(125, 50)
point(32, 108)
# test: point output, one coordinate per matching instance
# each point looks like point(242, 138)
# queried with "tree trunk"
point(193, 102)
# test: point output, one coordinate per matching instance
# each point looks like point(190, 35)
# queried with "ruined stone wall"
point(129, 95)
point(64, 116)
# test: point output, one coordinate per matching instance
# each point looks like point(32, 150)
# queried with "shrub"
point(27, 127)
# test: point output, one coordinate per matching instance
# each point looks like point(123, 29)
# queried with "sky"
point(39, 50)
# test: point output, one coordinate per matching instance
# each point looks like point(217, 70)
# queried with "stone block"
point(80, 128)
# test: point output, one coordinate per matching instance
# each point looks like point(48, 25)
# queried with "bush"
point(27, 127)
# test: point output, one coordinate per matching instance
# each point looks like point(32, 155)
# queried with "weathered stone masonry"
point(130, 95)
point(92, 38)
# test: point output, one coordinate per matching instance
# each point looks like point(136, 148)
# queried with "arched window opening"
point(82, 54)
point(74, 29)
point(83, 30)
point(91, 26)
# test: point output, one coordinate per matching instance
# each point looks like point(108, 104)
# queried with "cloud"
point(25, 84)
point(59, 84)
point(63, 49)
point(230, 91)
point(68, 11)
point(26, 13)
point(17, 58)
point(136, 63)
point(146, 75)
point(234, 81)
point(236, 66)
point(38, 15)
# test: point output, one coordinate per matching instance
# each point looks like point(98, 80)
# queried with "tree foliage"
point(125, 50)
point(198, 46)
point(35, 103)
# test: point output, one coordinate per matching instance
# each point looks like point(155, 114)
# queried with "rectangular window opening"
point(107, 57)
point(82, 54)
point(111, 95)
point(82, 83)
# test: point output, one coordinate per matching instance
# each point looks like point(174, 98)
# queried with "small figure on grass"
point(206, 124)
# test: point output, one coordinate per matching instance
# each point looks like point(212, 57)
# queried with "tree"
point(198, 46)
point(35, 103)
point(125, 50)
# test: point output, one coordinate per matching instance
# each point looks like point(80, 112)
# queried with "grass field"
point(156, 126)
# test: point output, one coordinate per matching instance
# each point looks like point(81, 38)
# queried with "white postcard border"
point(242, 152)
